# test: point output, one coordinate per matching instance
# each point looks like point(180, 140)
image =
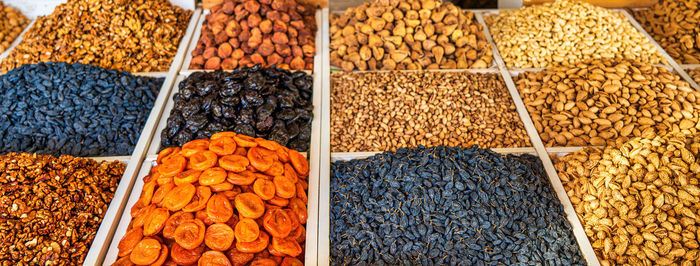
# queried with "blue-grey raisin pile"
point(73, 109)
point(447, 206)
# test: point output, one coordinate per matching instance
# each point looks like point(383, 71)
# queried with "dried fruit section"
point(129, 35)
point(565, 33)
point(228, 200)
point(675, 25)
point(447, 206)
point(76, 109)
point(638, 200)
point(12, 22)
point(270, 103)
point(596, 102)
point(386, 111)
point(413, 34)
point(51, 208)
point(243, 33)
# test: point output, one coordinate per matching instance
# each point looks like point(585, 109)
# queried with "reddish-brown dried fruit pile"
point(241, 33)
point(231, 200)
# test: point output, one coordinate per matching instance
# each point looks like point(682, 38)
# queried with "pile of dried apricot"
point(228, 200)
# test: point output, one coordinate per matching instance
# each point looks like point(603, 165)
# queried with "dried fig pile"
point(243, 33)
point(413, 34)
point(129, 35)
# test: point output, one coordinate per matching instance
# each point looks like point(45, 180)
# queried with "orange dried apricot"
point(274, 252)
point(234, 163)
point(160, 193)
point(247, 230)
point(241, 151)
point(299, 208)
point(212, 176)
point(244, 141)
point(155, 221)
point(293, 217)
point(284, 188)
point(165, 153)
point(187, 177)
point(174, 221)
point(303, 184)
point(259, 159)
point(254, 246)
point(178, 197)
point(192, 147)
point(263, 262)
point(203, 160)
point(172, 165)
point(243, 178)
point(267, 144)
point(287, 246)
point(162, 257)
point(129, 241)
point(219, 208)
point(282, 154)
point(249, 205)
point(276, 169)
point(219, 237)
point(190, 234)
point(289, 261)
point(213, 258)
point(298, 234)
point(146, 252)
point(223, 186)
point(199, 200)
point(219, 135)
point(278, 201)
point(147, 193)
point(202, 215)
point(238, 258)
point(265, 189)
point(301, 194)
point(124, 261)
point(277, 223)
point(142, 214)
point(231, 194)
point(223, 146)
point(183, 256)
point(299, 162)
point(290, 173)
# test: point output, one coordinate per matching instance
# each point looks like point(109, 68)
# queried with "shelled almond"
point(243, 33)
point(413, 34)
point(695, 74)
point(12, 22)
point(675, 25)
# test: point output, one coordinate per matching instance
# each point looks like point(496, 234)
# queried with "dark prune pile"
point(270, 103)
point(447, 206)
point(73, 109)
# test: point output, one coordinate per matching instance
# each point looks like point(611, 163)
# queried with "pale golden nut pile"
point(566, 32)
point(12, 22)
point(638, 201)
point(129, 35)
point(675, 25)
point(595, 102)
point(412, 34)
point(386, 111)
point(695, 74)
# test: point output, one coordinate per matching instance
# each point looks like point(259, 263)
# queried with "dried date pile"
point(242, 33)
point(675, 25)
point(130, 35)
point(51, 208)
point(75, 109)
point(638, 200)
point(270, 103)
point(447, 206)
point(386, 111)
point(12, 22)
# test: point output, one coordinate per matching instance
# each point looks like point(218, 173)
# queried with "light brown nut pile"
point(566, 32)
point(638, 202)
point(675, 25)
point(695, 74)
point(12, 22)
point(129, 35)
point(412, 34)
point(51, 208)
point(243, 33)
point(390, 110)
point(598, 101)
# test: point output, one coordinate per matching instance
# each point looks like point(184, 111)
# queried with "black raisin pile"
point(447, 206)
point(270, 103)
point(73, 109)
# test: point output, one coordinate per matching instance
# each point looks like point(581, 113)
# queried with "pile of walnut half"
point(638, 200)
point(51, 208)
point(412, 34)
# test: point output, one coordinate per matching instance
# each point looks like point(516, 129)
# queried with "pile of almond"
point(12, 22)
point(243, 33)
point(675, 25)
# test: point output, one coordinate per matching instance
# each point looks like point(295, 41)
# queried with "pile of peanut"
point(129, 35)
point(412, 34)
point(12, 22)
point(243, 33)
point(675, 25)
point(638, 200)
point(389, 110)
point(51, 207)
point(596, 102)
point(566, 32)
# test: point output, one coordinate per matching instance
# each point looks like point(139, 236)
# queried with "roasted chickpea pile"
point(228, 200)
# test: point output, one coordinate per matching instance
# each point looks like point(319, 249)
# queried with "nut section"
point(243, 33)
point(675, 25)
point(695, 74)
point(129, 35)
point(638, 201)
point(413, 34)
point(51, 208)
point(565, 33)
point(386, 111)
point(12, 22)
point(598, 101)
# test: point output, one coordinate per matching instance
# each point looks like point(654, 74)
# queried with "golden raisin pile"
point(228, 200)
point(51, 208)
point(129, 35)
